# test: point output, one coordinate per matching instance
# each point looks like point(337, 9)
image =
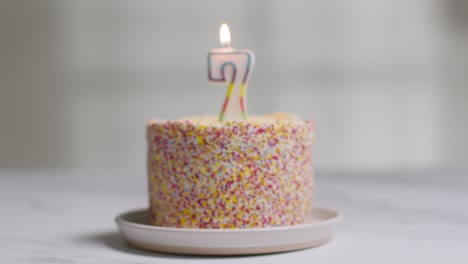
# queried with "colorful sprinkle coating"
point(238, 174)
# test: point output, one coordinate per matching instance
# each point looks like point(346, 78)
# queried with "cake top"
point(273, 118)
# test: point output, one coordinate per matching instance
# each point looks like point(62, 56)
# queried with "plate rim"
point(119, 219)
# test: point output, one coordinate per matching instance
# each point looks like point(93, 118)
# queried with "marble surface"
point(389, 217)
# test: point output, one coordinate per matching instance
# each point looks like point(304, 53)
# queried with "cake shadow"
point(116, 242)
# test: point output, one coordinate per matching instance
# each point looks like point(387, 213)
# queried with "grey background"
point(385, 80)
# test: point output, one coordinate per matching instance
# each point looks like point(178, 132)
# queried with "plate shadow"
point(115, 241)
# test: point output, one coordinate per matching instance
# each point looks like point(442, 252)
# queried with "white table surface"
point(389, 217)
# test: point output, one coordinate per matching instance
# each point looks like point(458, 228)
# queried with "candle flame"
point(225, 35)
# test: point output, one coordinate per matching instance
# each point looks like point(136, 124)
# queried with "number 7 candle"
point(232, 67)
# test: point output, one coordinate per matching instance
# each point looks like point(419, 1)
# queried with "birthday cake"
point(238, 174)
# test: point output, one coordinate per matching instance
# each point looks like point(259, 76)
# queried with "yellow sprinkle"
point(182, 221)
point(200, 141)
point(187, 211)
point(239, 215)
point(157, 157)
point(164, 188)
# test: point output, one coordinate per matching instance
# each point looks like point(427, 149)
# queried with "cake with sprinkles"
point(238, 174)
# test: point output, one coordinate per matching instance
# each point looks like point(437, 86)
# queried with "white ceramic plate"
point(137, 232)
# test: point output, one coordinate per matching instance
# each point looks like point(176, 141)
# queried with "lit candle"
point(232, 67)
